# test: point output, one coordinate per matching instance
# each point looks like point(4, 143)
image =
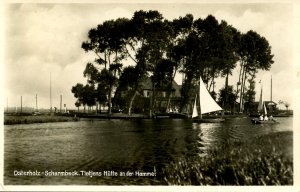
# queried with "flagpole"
point(50, 95)
point(271, 88)
point(36, 105)
point(21, 104)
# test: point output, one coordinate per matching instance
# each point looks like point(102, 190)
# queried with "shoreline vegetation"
point(262, 160)
point(28, 118)
point(11, 119)
point(47, 118)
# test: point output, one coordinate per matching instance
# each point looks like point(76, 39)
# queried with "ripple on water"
point(119, 145)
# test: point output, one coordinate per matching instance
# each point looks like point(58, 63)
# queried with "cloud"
point(116, 13)
point(276, 26)
point(53, 34)
point(44, 38)
point(249, 20)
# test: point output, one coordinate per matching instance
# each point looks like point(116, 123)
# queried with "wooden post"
point(271, 107)
point(60, 103)
point(21, 104)
point(36, 105)
point(271, 88)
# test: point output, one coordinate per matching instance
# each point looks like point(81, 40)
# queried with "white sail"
point(207, 103)
point(265, 109)
point(260, 104)
point(195, 111)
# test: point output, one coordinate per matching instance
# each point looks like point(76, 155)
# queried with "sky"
point(43, 40)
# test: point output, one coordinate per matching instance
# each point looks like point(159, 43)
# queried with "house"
point(162, 95)
point(144, 100)
point(271, 106)
point(147, 89)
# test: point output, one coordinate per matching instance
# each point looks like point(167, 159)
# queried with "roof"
point(147, 84)
point(267, 102)
point(270, 103)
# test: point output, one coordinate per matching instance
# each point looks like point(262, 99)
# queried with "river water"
point(113, 146)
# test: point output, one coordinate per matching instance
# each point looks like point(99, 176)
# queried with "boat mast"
point(260, 103)
point(271, 88)
point(200, 113)
point(36, 105)
point(21, 104)
point(50, 96)
point(60, 103)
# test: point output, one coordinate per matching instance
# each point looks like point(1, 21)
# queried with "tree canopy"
point(159, 49)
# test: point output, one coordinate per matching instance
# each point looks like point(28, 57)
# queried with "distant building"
point(143, 100)
point(162, 94)
point(271, 106)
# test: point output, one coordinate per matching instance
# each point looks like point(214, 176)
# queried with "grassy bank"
point(264, 160)
point(15, 119)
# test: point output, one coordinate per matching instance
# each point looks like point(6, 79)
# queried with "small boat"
point(206, 105)
point(75, 118)
point(262, 110)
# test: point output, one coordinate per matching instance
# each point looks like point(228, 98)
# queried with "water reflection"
point(237, 129)
point(206, 135)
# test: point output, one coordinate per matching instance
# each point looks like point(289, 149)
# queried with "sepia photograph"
point(149, 94)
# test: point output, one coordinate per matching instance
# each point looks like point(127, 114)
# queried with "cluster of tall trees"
point(159, 49)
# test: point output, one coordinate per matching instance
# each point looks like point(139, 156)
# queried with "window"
point(146, 93)
point(173, 94)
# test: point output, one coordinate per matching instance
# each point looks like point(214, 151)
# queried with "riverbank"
point(111, 116)
point(46, 118)
point(27, 119)
point(261, 160)
point(24, 118)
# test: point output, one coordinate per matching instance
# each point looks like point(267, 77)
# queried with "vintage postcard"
point(140, 95)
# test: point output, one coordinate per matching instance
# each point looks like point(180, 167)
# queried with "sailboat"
point(262, 110)
point(206, 105)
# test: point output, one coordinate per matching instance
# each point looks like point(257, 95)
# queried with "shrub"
point(259, 161)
